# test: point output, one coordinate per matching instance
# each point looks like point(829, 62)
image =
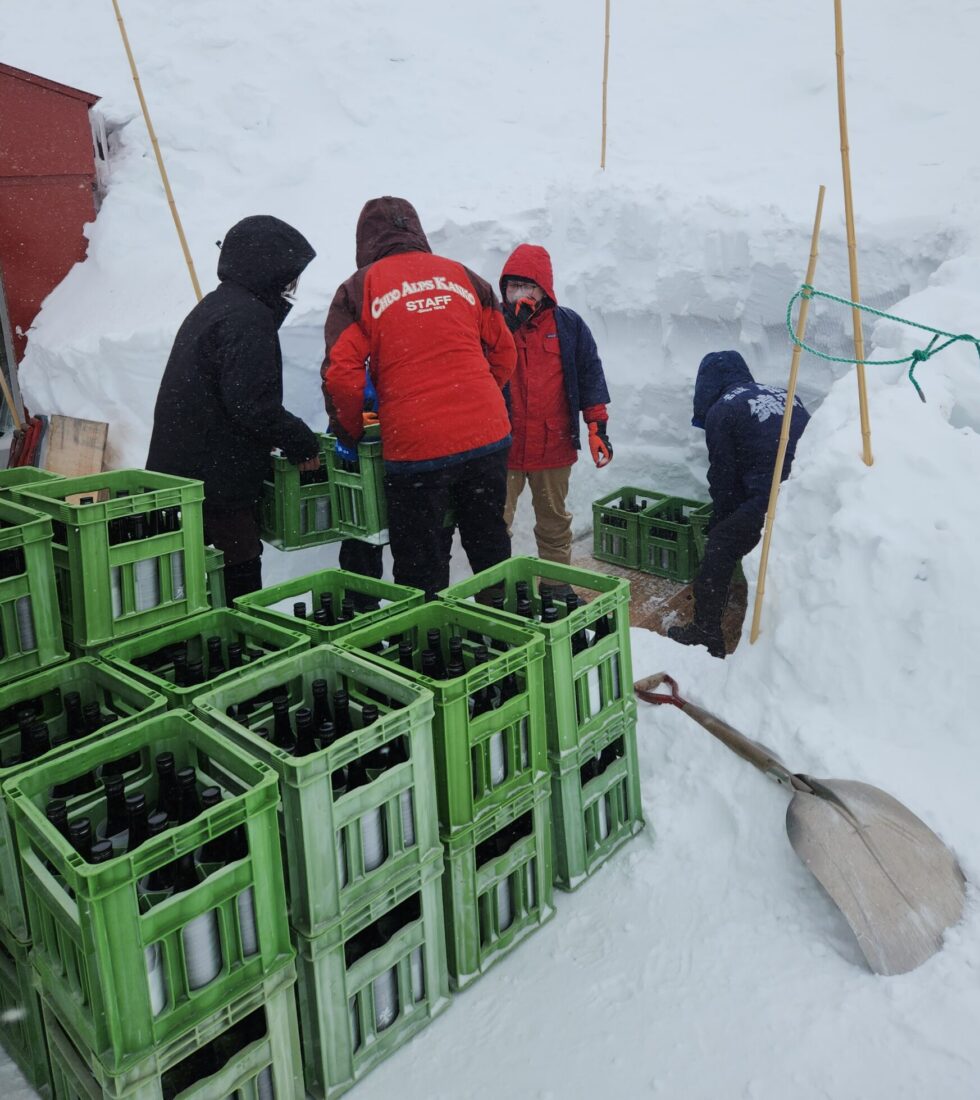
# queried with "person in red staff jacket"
point(559, 375)
point(439, 355)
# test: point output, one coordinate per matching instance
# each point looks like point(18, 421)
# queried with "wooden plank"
point(657, 603)
point(74, 447)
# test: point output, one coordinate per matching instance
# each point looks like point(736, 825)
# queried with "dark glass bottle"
point(429, 667)
point(161, 878)
point(433, 641)
point(38, 741)
point(524, 609)
point(101, 852)
point(234, 655)
point(305, 743)
point(406, 657)
point(190, 803)
point(299, 609)
point(56, 812)
point(321, 708)
point(346, 610)
point(80, 837)
point(321, 618)
point(282, 730)
point(137, 820)
point(522, 591)
point(180, 669)
point(115, 801)
point(195, 673)
point(455, 668)
point(326, 734)
point(341, 713)
point(326, 606)
point(216, 660)
point(369, 715)
point(550, 614)
point(168, 795)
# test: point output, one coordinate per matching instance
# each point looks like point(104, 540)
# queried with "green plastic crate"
point(667, 539)
point(21, 1026)
point(596, 811)
point(481, 762)
point(296, 509)
point(214, 572)
point(16, 476)
point(30, 628)
point(357, 494)
point(149, 658)
point(496, 898)
point(109, 590)
point(323, 835)
point(257, 1061)
point(354, 1016)
point(581, 690)
point(615, 525)
point(275, 604)
point(119, 970)
point(122, 698)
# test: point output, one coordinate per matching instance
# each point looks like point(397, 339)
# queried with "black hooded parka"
point(219, 409)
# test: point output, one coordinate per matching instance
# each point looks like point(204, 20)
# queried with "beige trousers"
point(553, 526)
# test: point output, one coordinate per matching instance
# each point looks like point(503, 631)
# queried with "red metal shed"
point(47, 188)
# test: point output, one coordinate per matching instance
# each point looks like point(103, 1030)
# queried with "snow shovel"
point(898, 886)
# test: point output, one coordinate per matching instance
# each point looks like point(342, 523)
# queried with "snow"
point(704, 961)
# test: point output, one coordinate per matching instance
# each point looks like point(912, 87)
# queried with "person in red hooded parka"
point(559, 375)
point(439, 353)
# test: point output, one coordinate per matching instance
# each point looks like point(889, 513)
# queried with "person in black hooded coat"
point(742, 420)
point(219, 409)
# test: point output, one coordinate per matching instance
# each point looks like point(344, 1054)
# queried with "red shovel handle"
point(644, 689)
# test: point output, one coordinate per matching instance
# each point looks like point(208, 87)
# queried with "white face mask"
point(289, 292)
point(515, 291)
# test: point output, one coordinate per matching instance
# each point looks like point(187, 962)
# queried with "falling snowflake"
point(768, 403)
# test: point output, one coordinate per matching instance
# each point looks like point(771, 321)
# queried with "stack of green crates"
point(492, 787)
point(372, 601)
point(650, 531)
point(364, 862)
point(145, 991)
point(295, 509)
point(30, 627)
point(589, 704)
point(40, 697)
point(128, 559)
point(150, 657)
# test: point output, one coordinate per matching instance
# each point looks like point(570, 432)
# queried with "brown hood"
point(386, 227)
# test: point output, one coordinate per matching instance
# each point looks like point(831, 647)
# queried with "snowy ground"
point(704, 962)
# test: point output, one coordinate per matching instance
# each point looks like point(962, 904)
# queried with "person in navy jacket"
point(741, 419)
point(559, 377)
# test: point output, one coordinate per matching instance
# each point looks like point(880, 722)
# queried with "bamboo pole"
point(777, 472)
point(156, 150)
point(845, 155)
point(605, 82)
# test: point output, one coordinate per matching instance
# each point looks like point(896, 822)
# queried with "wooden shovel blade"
point(897, 884)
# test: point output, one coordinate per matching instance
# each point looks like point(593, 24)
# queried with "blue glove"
point(370, 395)
point(347, 454)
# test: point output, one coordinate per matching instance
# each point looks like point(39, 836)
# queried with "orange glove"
point(369, 419)
point(599, 444)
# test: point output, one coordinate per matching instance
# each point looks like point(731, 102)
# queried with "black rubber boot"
point(695, 634)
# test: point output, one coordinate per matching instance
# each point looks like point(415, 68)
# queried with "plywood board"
point(74, 447)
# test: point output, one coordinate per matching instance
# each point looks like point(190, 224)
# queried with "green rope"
point(921, 355)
